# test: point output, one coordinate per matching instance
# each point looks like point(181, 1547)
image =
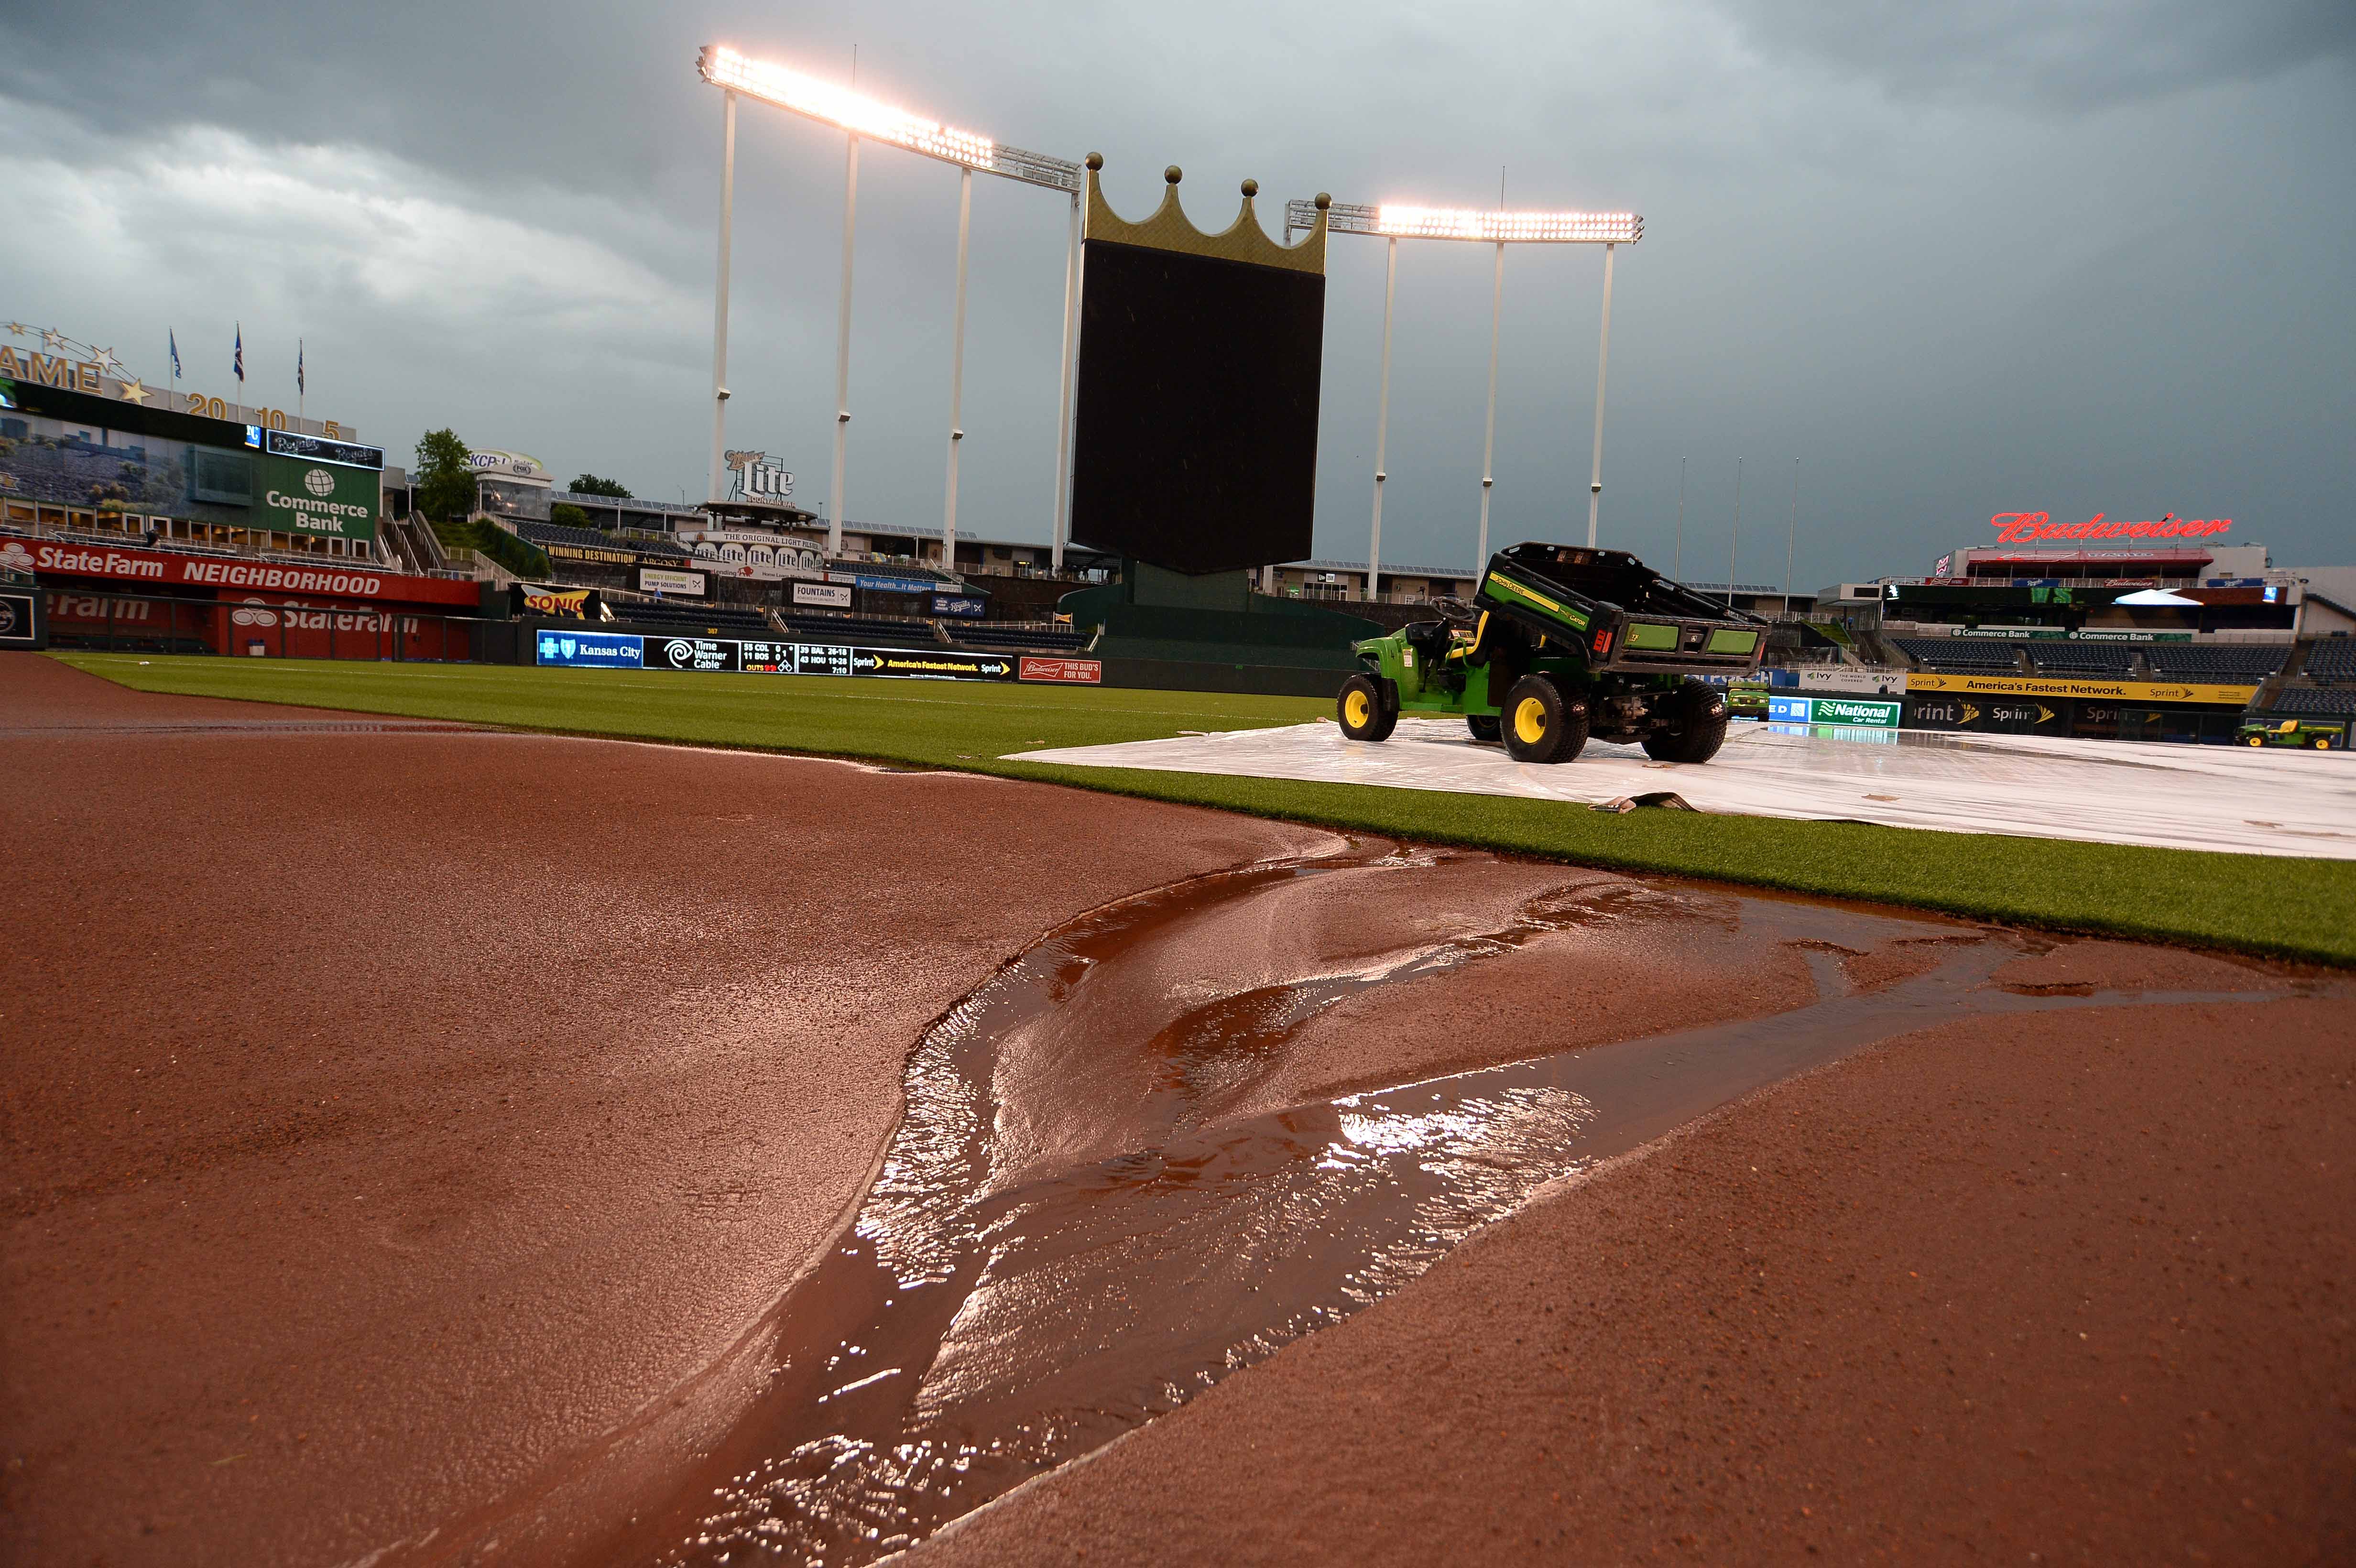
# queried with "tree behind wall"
point(445, 476)
point(590, 484)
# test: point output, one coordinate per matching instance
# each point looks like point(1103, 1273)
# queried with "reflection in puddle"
point(1003, 1304)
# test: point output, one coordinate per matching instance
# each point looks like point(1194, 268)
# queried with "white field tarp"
point(2233, 798)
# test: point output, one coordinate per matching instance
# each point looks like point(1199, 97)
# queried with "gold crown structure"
point(1169, 228)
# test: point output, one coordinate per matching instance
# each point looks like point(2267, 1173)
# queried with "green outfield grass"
point(2302, 909)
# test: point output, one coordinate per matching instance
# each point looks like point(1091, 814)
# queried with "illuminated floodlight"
point(864, 116)
point(1399, 221)
point(1461, 223)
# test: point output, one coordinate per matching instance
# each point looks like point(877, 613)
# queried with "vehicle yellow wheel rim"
point(2323, 742)
point(1357, 709)
point(2257, 741)
point(1529, 720)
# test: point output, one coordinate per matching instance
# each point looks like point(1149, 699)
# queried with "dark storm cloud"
point(1956, 260)
point(2070, 54)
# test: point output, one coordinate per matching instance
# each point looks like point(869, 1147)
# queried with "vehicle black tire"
point(1696, 728)
point(2256, 741)
point(2323, 743)
point(1485, 727)
point(1366, 709)
point(1542, 722)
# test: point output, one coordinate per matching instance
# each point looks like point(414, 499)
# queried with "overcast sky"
point(2081, 256)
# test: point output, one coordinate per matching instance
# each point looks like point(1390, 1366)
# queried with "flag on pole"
point(237, 363)
point(174, 339)
point(299, 367)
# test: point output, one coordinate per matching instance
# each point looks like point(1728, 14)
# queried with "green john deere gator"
point(2313, 734)
point(1561, 643)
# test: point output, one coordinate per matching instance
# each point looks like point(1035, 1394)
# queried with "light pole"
point(720, 290)
point(1677, 562)
point(1060, 525)
point(843, 348)
point(1489, 430)
point(1603, 357)
point(1501, 228)
point(957, 372)
point(1734, 541)
point(866, 118)
point(1382, 425)
point(1792, 538)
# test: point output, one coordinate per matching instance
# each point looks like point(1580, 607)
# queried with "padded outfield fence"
point(147, 623)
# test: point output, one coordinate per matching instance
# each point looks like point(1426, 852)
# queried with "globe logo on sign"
point(7, 618)
point(319, 482)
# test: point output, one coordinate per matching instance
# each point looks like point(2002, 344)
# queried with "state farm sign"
point(218, 571)
point(2023, 528)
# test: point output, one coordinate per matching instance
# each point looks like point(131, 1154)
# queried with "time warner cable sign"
point(620, 650)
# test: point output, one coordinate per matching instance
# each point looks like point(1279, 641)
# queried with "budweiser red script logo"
point(2023, 528)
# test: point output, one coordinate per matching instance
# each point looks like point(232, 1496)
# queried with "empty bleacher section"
point(708, 620)
point(2250, 662)
point(865, 629)
point(2081, 658)
point(1958, 653)
point(2332, 660)
point(546, 534)
point(1038, 639)
point(2307, 700)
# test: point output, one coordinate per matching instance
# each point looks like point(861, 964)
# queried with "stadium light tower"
point(1501, 228)
point(860, 116)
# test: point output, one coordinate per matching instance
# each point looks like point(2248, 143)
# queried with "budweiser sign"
point(2026, 528)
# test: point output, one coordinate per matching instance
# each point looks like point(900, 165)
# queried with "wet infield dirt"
point(1229, 1113)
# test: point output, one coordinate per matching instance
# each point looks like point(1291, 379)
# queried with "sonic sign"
point(2031, 528)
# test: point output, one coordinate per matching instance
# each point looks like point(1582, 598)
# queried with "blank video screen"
point(1195, 434)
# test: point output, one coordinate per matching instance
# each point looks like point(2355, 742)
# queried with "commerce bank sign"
point(315, 515)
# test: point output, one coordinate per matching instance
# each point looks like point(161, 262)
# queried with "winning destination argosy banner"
point(617, 650)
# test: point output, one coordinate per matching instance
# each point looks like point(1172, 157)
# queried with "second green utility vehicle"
point(2311, 734)
point(1559, 643)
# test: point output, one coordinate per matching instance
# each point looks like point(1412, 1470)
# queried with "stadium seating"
point(590, 538)
point(2313, 699)
point(2333, 658)
point(2082, 659)
point(859, 629)
point(1958, 653)
point(1059, 639)
point(2242, 661)
point(710, 620)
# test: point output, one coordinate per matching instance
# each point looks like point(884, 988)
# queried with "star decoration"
point(52, 339)
point(17, 329)
point(107, 362)
point(132, 392)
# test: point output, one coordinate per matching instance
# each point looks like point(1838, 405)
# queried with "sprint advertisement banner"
point(614, 650)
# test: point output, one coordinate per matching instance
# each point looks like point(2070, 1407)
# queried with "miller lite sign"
point(758, 478)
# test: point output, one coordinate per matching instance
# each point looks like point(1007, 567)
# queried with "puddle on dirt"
point(1076, 1229)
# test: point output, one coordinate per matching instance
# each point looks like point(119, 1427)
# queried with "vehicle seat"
point(1488, 636)
point(1429, 638)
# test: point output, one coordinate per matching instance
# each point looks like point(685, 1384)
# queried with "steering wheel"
point(1451, 608)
